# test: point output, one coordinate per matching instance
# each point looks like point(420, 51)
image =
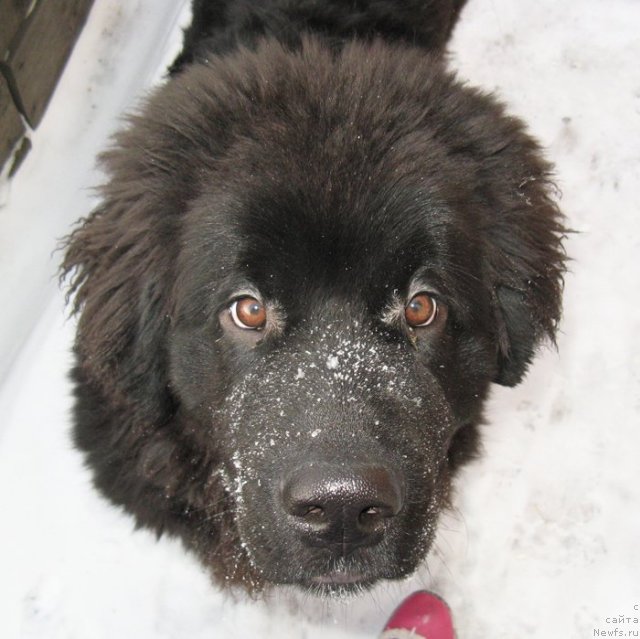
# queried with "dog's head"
point(306, 272)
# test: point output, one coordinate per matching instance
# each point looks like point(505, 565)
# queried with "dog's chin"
point(338, 584)
point(341, 582)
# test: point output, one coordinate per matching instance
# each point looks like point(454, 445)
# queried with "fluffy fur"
point(319, 156)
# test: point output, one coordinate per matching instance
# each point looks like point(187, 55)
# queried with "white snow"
point(333, 362)
point(544, 539)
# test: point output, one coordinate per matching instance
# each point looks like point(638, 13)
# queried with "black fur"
point(220, 26)
point(331, 167)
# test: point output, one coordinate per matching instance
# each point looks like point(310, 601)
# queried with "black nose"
point(341, 507)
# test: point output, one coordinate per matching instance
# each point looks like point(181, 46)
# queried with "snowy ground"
point(545, 539)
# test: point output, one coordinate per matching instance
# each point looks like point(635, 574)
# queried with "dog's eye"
point(421, 310)
point(248, 313)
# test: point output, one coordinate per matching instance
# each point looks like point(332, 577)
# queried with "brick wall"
point(36, 39)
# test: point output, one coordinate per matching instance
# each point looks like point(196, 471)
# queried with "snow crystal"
point(332, 362)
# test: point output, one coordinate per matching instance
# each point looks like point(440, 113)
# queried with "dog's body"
point(315, 252)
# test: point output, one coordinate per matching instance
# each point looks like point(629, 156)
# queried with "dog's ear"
point(119, 263)
point(518, 336)
point(513, 205)
point(524, 253)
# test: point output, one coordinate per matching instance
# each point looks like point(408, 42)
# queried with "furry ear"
point(527, 259)
point(116, 274)
point(519, 337)
point(522, 229)
point(119, 266)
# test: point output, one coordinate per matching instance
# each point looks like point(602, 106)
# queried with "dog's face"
point(319, 286)
point(330, 340)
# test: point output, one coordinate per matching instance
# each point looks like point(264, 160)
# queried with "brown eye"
point(248, 313)
point(421, 310)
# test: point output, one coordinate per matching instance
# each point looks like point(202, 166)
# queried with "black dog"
point(315, 252)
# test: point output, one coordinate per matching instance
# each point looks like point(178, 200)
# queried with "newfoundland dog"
point(315, 251)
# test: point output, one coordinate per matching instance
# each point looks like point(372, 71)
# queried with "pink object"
point(421, 615)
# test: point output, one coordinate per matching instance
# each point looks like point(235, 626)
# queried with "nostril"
point(373, 518)
point(315, 515)
point(311, 516)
